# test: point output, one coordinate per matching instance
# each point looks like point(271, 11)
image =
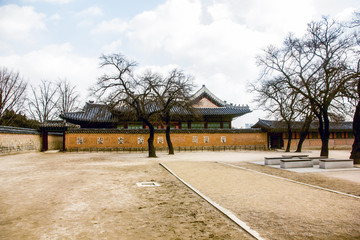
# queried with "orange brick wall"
point(345, 143)
point(110, 140)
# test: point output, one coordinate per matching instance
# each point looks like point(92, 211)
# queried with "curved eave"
point(77, 118)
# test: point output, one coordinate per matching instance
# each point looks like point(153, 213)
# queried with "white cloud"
point(91, 11)
point(346, 15)
point(18, 22)
point(51, 1)
point(112, 47)
point(54, 62)
point(115, 25)
point(55, 17)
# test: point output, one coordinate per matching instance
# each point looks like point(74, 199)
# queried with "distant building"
point(211, 113)
point(341, 134)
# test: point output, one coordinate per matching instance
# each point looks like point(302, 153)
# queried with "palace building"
point(211, 113)
point(341, 134)
point(208, 127)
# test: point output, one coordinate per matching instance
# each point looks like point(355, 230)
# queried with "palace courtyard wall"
point(14, 139)
point(94, 139)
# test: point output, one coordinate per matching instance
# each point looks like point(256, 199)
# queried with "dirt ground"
point(95, 196)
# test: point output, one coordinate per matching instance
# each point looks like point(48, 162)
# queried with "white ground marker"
point(290, 180)
point(223, 210)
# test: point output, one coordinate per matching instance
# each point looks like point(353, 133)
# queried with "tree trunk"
point(304, 132)
point(167, 133)
point(355, 153)
point(289, 132)
point(324, 131)
point(168, 140)
point(152, 151)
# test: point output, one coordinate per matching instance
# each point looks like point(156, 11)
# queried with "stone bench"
point(273, 160)
point(329, 163)
point(296, 163)
point(315, 160)
point(276, 160)
point(293, 156)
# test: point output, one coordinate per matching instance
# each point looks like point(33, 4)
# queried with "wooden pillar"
point(64, 145)
point(44, 138)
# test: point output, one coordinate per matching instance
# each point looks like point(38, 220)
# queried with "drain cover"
point(147, 184)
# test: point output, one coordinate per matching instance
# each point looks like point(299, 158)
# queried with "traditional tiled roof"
point(228, 110)
point(204, 92)
point(93, 113)
point(280, 126)
point(100, 113)
point(57, 125)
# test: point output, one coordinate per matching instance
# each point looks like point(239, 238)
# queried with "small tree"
point(12, 91)
point(42, 105)
point(68, 97)
point(128, 94)
point(275, 97)
point(171, 95)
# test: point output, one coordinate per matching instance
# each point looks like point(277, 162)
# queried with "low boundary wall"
point(334, 144)
point(15, 139)
point(183, 140)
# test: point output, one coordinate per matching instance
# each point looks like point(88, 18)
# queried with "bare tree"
point(68, 97)
point(355, 152)
point(42, 105)
point(128, 94)
point(279, 100)
point(171, 95)
point(12, 91)
point(319, 67)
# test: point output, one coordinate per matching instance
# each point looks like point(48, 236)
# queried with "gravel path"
point(277, 209)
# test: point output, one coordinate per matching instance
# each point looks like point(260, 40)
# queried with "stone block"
point(331, 163)
point(295, 163)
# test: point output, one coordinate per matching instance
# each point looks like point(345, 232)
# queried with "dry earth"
point(276, 208)
point(95, 196)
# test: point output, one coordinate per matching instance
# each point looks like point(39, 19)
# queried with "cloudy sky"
point(215, 41)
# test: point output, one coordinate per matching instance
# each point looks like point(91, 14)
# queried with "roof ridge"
point(204, 90)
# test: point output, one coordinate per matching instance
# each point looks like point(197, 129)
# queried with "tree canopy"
point(321, 67)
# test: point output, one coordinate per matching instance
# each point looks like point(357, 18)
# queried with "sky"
point(215, 41)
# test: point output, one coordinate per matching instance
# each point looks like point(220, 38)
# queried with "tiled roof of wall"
point(146, 131)
point(18, 130)
point(280, 126)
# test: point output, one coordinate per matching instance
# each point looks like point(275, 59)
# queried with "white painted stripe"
point(223, 210)
point(290, 180)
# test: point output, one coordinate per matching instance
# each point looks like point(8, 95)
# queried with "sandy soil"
point(277, 209)
point(95, 196)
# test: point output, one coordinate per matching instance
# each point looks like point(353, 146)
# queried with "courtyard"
point(96, 196)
